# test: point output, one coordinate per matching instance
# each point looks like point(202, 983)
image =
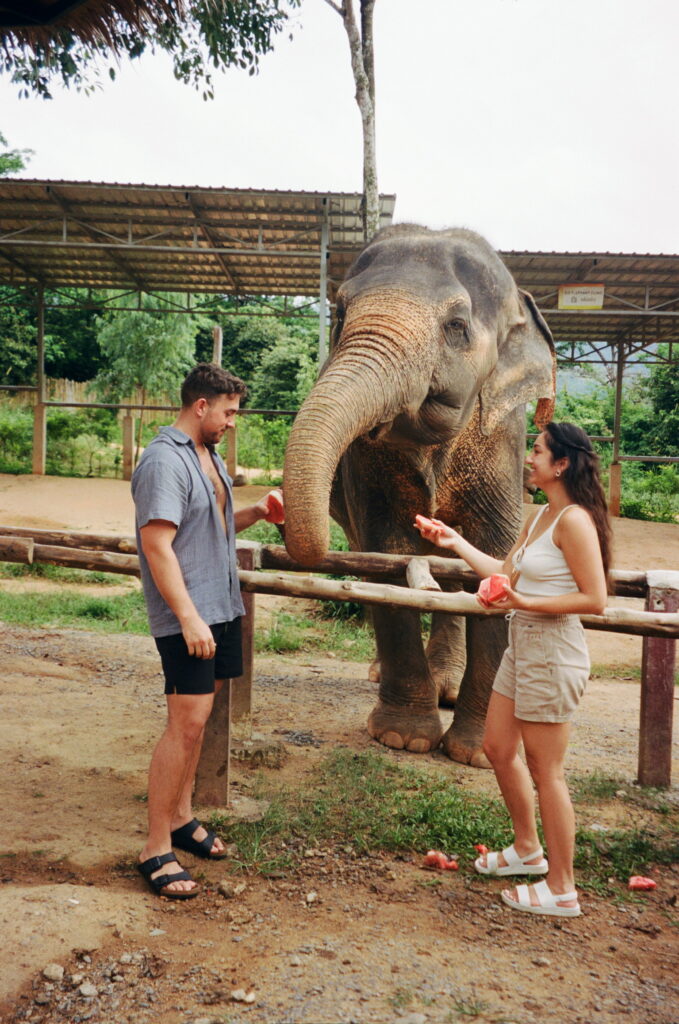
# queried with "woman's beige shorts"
point(545, 667)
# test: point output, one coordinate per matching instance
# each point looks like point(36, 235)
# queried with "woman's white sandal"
point(515, 864)
point(548, 901)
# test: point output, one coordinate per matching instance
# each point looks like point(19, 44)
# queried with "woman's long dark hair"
point(581, 478)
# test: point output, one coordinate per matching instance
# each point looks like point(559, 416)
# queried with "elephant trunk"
point(380, 368)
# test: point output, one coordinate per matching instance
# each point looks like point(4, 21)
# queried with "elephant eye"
point(456, 329)
point(339, 319)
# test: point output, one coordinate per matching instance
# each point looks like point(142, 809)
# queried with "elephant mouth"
point(434, 422)
point(381, 431)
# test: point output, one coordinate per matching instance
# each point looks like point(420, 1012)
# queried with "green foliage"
point(12, 160)
point(649, 426)
point(144, 350)
point(18, 334)
point(650, 492)
point(200, 38)
point(78, 443)
point(71, 348)
point(262, 441)
point(283, 377)
point(663, 389)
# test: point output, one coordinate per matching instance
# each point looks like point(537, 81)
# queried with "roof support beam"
point(119, 261)
point(210, 238)
point(323, 290)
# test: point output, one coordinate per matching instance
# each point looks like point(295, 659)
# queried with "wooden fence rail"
point(658, 624)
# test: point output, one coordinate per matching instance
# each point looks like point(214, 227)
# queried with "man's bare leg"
point(168, 773)
point(183, 812)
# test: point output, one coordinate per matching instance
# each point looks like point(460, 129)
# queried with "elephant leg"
point(406, 714)
point(486, 642)
point(446, 654)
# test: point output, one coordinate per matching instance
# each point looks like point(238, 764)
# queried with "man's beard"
point(211, 438)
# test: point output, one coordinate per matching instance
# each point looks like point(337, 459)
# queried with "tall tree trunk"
point(363, 68)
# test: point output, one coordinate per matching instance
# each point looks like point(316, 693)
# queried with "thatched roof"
point(34, 23)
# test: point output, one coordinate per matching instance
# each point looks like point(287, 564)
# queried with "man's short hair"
point(207, 380)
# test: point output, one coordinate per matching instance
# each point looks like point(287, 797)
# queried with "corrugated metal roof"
point(640, 306)
point(257, 242)
point(176, 238)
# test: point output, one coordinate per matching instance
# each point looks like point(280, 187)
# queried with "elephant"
point(420, 408)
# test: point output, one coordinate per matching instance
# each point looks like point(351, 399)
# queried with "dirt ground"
point(343, 939)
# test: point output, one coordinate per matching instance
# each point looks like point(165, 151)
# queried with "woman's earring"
point(558, 473)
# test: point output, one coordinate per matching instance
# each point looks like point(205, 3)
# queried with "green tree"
point(284, 376)
point(146, 351)
point(199, 35)
point(663, 390)
point(18, 333)
point(12, 160)
point(71, 348)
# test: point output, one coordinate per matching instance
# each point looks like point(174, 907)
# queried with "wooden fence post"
point(213, 775)
point(128, 446)
point(657, 686)
point(241, 700)
point(232, 710)
point(39, 438)
point(232, 452)
point(614, 488)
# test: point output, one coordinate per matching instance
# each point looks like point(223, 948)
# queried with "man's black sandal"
point(160, 882)
point(183, 839)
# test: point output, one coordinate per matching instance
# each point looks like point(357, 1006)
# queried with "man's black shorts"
point(184, 673)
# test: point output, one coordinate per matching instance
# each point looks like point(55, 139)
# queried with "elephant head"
point(429, 326)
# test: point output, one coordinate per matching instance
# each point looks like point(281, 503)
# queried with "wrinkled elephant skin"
point(421, 409)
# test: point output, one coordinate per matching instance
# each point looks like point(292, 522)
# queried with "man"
point(186, 528)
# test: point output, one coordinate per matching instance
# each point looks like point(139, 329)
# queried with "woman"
point(558, 570)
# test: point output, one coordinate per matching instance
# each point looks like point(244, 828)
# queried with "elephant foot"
point(447, 679)
point(465, 747)
point(404, 729)
point(374, 674)
point(448, 689)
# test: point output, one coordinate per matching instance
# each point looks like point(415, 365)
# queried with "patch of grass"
point(289, 632)
point(351, 640)
point(621, 853)
point(468, 1006)
point(57, 574)
point(267, 480)
point(261, 532)
point(120, 614)
point(401, 998)
point(365, 803)
point(599, 788)
point(285, 634)
point(594, 788)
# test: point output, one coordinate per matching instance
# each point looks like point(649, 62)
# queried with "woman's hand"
point(437, 532)
point(511, 600)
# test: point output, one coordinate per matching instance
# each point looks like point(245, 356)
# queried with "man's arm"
point(245, 517)
point(156, 542)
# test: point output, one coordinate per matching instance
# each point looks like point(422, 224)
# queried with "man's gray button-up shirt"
point(169, 484)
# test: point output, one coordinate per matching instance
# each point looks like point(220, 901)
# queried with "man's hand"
point(198, 637)
point(270, 507)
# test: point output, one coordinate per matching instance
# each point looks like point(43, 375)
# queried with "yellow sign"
point(581, 296)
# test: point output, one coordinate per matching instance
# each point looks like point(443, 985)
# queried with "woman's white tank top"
point(543, 570)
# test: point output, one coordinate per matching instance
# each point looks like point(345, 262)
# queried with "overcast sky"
point(543, 125)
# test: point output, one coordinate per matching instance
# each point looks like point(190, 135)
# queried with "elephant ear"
point(525, 369)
